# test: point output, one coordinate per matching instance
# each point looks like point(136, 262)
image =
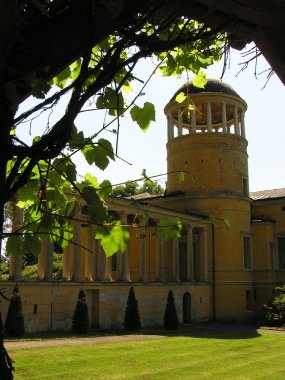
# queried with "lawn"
point(239, 354)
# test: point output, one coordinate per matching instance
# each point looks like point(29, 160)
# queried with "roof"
point(142, 196)
point(212, 85)
point(268, 194)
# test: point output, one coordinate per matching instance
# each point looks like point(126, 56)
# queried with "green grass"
point(213, 355)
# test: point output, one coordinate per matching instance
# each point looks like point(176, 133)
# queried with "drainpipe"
point(213, 274)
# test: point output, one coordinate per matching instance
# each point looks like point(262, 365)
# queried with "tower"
point(206, 140)
point(207, 166)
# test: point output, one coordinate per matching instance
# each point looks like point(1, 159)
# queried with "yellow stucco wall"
point(56, 303)
point(211, 162)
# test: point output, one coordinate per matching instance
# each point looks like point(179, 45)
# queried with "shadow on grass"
point(215, 331)
point(210, 330)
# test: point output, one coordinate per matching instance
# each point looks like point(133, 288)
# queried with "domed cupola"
point(206, 139)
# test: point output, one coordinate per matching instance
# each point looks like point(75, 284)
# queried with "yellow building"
point(225, 265)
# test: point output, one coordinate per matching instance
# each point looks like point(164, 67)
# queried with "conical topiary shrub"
point(80, 320)
point(170, 315)
point(132, 320)
point(14, 324)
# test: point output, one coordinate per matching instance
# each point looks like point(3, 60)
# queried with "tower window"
point(281, 252)
point(245, 187)
point(246, 252)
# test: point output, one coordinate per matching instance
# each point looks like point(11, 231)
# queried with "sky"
point(138, 150)
point(264, 123)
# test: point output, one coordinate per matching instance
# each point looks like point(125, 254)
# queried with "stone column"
point(126, 264)
point(76, 252)
point(176, 260)
point(119, 266)
point(45, 261)
point(159, 257)
point(124, 257)
point(94, 261)
point(170, 127)
point(224, 117)
point(180, 122)
point(242, 123)
point(236, 121)
point(101, 268)
point(108, 269)
point(66, 263)
point(89, 254)
point(203, 245)
point(189, 253)
point(143, 271)
point(209, 117)
point(15, 264)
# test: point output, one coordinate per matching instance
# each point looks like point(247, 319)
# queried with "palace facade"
point(223, 267)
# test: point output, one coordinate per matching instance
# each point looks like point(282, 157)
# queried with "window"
point(272, 258)
point(246, 252)
point(245, 187)
point(281, 252)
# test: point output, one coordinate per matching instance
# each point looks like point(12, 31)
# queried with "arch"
point(187, 308)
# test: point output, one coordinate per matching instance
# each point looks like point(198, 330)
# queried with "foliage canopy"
point(99, 76)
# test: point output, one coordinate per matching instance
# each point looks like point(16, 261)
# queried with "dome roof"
point(212, 85)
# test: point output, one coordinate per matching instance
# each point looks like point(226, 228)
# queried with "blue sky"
point(265, 127)
point(264, 122)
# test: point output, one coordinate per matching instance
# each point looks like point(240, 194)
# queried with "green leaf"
point(27, 193)
point(89, 153)
point(107, 146)
point(213, 220)
point(66, 167)
point(14, 245)
point(46, 223)
point(97, 209)
point(226, 223)
point(170, 229)
point(105, 189)
point(77, 139)
point(181, 176)
point(70, 171)
point(40, 89)
point(114, 239)
point(75, 69)
point(89, 194)
point(61, 79)
point(180, 97)
point(100, 154)
point(143, 116)
point(32, 244)
point(200, 80)
point(111, 100)
point(91, 180)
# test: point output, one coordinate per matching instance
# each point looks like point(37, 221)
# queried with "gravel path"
point(190, 330)
point(15, 345)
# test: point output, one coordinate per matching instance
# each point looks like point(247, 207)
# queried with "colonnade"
point(85, 260)
point(231, 119)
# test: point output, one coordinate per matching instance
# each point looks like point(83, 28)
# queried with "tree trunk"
point(6, 120)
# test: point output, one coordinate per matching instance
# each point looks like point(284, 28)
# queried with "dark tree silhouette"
point(14, 324)
point(6, 366)
point(132, 320)
point(170, 315)
point(80, 321)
